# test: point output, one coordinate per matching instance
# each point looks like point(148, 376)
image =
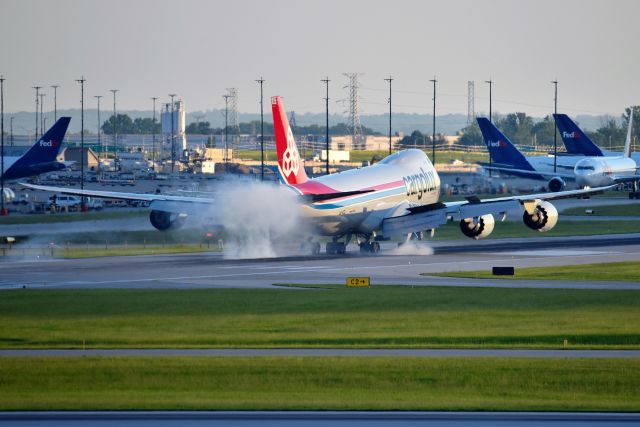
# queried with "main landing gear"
point(336, 248)
point(635, 194)
point(369, 247)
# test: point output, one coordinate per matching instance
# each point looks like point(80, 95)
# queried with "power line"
point(389, 80)
point(261, 81)
point(81, 80)
point(326, 100)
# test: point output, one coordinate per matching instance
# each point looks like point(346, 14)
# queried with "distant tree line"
point(125, 125)
point(418, 139)
point(519, 127)
point(253, 127)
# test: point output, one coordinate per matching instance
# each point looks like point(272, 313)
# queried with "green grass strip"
point(515, 229)
point(378, 317)
point(320, 383)
point(612, 271)
point(71, 217)
point(606, 210)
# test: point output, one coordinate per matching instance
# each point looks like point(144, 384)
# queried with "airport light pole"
point(326, 105)
point(115, 125)
point(173, 139)
point(11, 129)
point(37, 88)
point(42, 95)
point(81, 80)
point(3, 211)
point(226, 115)
point(555, 127)
point(55, 102)
point(433, 134)
point(389, 80)
point(261, 81)
point(153, 151)
point(99, 135)
point(490, 82)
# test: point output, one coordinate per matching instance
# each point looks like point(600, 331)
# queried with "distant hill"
point(24, 122)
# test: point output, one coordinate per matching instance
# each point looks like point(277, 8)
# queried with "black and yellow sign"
point(358, 281)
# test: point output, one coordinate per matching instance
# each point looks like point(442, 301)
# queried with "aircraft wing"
point(621, 179)
point(420, 218)
point(535, 173)
point(118, 195)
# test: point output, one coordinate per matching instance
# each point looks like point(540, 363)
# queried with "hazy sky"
point(198, 48)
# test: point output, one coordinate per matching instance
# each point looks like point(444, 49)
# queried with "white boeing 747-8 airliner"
point(396, 197)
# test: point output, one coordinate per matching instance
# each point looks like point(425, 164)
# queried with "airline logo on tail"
point(52, 143)
point(291, 157)
point(289, 162)
point(499, 144)
point(572, 135)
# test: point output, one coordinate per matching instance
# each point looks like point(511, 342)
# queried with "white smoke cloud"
point(412, 248)
point(260, 220)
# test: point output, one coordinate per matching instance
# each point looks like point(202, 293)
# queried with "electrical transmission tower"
point(234, 123)
point(357, 139)
point(292, 119)
point(471, 112)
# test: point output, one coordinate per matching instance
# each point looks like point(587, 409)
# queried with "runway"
point(389, 267)
point(316, 418)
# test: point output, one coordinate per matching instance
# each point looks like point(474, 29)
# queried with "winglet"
point(627, 142)
point(574, 139)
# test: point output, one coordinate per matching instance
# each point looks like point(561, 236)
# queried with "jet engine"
point(163, 220)
point(8, 195)
point(478, 227)
point(556, 184)
point(544, 217)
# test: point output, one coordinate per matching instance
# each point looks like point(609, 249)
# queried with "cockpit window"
point(586, 168)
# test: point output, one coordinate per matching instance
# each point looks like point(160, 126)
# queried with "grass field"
point(621, 210)
point(314, 383)
point(70, 217)
point(332, 316)
point(512, 229)
point(93, 252)
point(614, 271)
point(362, 155)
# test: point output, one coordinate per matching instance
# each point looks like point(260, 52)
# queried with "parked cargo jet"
point(509, 160)
point(395, 197)
point(586, 170)
point(41, 157)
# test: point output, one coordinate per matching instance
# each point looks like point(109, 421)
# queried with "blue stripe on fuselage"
point(360, 198)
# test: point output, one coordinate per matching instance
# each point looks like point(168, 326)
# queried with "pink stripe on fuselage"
point(315, 187)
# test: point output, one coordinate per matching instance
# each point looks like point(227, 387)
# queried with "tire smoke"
point(260, 220)
point(412, 248)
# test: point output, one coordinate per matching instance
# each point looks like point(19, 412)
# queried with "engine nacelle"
point(556, 184)
point(163, 220)
point(544, 217)
point(8, 195)
point(477, 228)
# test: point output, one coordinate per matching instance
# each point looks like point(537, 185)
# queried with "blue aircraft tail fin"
point(47, 148)
point(575, 140)
point(501, 149)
